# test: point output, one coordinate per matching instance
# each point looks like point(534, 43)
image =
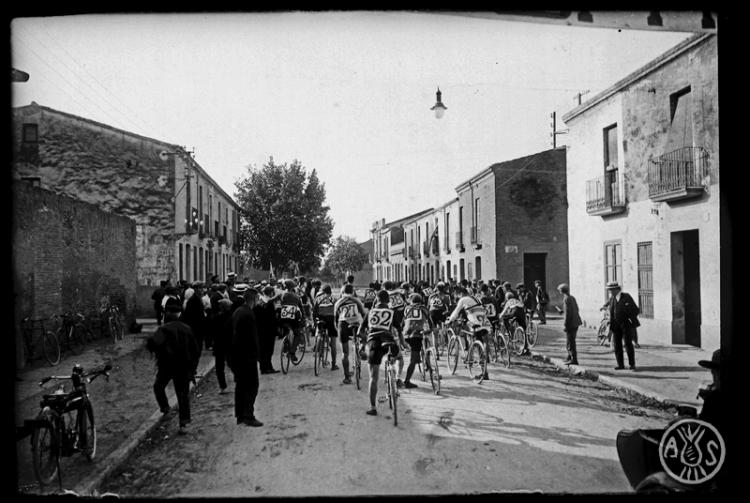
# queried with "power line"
point(143, 122)
point(71, 84)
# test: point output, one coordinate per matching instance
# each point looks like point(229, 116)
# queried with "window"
point(478, 267)
point(682, 124)
point(30, 133)
point(447, 233)
point(610, 147)
point(448, 269)
point(469, 271)
point(645, 279)
point(476, 212)
point(612, 262)
point(200, 263)
point(181, 270)
point(210, 210)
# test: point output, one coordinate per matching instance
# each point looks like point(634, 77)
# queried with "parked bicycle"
point(114, 322)
point(65, 425)
point(35, 334)
point(474, 357)
point(73, 332)
point(321, 346)
point(429, 363)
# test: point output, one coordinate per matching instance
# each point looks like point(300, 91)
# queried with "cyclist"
point(316, 284)
point(417, 321)
point(438, 304)
point(379, 326)
point(323, 311)
point(397, 302)
point(370, 296)
point(513, 310)
point(489, 302)
point(470, 309)
point(348, 315)
point(290, 316)
point(406, 290)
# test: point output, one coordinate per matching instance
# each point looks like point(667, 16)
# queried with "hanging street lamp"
point(439, 108)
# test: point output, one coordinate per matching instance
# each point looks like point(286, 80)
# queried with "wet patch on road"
point(421, 465)
point(314, 386)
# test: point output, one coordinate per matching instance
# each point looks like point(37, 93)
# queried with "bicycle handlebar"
point(90, 375)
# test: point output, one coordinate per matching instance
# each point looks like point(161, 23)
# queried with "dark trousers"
point(181, 381)
point(570, 344)
point(540, 309)
point(626, 334)
point(208, 336)
point(159, 312)
point(245, 390)
point(220, 357)
point(266, 342)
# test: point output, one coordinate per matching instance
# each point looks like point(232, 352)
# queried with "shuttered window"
point(646, 279)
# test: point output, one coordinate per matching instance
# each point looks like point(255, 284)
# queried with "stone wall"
point(67, 254)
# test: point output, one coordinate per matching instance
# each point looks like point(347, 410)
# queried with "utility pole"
point(555, 132)
point(581, 94)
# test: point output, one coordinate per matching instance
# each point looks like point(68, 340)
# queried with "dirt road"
point(531, 427)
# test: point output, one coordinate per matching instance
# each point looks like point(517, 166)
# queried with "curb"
point(610, 381)
point(104, 467)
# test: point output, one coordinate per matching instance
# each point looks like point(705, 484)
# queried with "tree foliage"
point(284, 216)
point(345, 257)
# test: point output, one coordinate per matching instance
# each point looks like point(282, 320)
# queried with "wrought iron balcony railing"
point(476, 239)
point(605, 194)
point(679, 174)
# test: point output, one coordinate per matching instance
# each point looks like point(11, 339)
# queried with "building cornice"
point(649, 67)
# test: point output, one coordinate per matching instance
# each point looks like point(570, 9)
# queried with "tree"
point(345, 257)
point(284, 216)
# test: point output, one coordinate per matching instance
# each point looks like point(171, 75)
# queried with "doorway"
point(686, 288)
point(534, 268)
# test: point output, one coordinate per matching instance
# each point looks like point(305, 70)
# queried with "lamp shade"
point(438, 107)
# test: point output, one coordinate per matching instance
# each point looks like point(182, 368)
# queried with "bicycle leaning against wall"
point(35, 334)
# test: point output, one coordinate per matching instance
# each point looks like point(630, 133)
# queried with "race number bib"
point(370, 295)
point(490, 310)
point(289, 312)
point(477, 316)
point(380, 318)
point(427, 292)
point(436, 303)
point(348, 313)
point(413, 313)
point(396, 301)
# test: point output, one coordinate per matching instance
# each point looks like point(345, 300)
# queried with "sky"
point(346, 93)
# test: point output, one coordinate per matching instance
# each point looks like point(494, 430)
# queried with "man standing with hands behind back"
point(623, 320)
point(571, 322)
point(244, 360)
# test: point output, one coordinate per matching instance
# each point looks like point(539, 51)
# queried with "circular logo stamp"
point(692, 451)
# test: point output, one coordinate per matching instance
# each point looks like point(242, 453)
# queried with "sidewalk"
point(669, 374)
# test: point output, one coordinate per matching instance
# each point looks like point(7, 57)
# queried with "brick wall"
point(67, 254)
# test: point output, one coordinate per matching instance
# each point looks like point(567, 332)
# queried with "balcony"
point(222, 240)
point(680, 174)
point(605, 194)
point(426, 249)
point(413, 253)
point(476, 240)
point(460, 241)
point(435, 247)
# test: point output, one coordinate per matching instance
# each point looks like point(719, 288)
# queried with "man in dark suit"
point(623, 320)
point(571, 322)
point(265, 318)
point(244, 360)
point(176, 350)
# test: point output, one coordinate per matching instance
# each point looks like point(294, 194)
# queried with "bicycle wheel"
point(477, 361)
point(422, 364)
point(51, 347)
point(387, 383)
point(602, 333)
point(453, 351)
point(532, 333)
point(503, 351)
point(326, 350)
point(357, 362)
point(394, 397)
point(317, 355)
point(301, 350)
point(45, 447)
point(434, 371)
point(519, 338)
point(284, 354)
point(87, 430)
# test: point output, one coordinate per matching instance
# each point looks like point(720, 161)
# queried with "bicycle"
point(49, 342)
point(532, 332)
point(114, 322)
point(516, 339)
point(390, 381)
point(500, 350)
point(72, 333)
point(286, 355)
point(603, 333)
point(357, 356)
point(65, 425)
point(475, 356)
point(321, 346)
point(428, 355)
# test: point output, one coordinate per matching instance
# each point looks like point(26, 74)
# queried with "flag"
point(433, 235)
